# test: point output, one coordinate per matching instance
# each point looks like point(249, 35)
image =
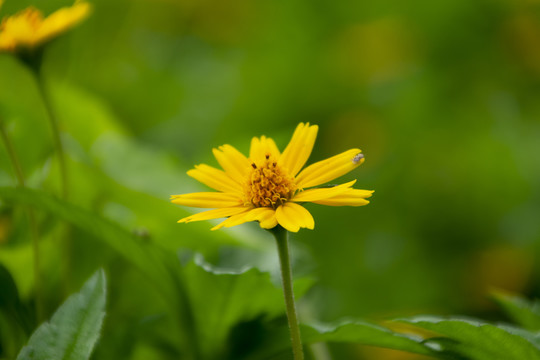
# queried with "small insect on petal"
point(357, 158)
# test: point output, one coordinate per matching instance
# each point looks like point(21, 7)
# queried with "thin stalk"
point(40, 308)
point(186, 320)
point(282, 241)
point(53, 120)
point(12, 155)
point(55, 131)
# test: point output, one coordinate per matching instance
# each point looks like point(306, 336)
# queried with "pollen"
point(268, 185)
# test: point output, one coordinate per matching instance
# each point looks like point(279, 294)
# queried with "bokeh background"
point(443, 97)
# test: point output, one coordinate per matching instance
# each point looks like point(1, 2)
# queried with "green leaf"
point(14, 323)
point(525, 313)
point(361, 332)
point(149, 259)
point(347, 331)
point(119, 239)
point(478, 340)
point(221, 299)
point(74, 329)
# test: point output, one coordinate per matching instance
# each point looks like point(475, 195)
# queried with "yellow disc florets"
point(268, 184)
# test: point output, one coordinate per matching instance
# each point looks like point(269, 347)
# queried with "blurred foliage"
point(74, 329)
point(442, 97)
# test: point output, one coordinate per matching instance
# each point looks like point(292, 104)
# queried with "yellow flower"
point(28, 30)
point(269, 187)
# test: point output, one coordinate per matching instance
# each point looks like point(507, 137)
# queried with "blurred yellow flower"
point(28, 30)
point(269, 187)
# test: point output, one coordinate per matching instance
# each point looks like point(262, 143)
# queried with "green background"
point(441, 96)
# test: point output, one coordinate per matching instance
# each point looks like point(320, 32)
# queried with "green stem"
point(66, 242)
point(12, 155)
point(55, 130)
point(40, 304)
point(32, 222)
point(281, 236)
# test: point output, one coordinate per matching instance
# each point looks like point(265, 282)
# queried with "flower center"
point(268, 185)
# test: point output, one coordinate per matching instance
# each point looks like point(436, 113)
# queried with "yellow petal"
point(214, 214)
point(312, 195)
point(265, 216)
point(260, 147)
point(297, 152)
point(235, 220)
point(6, 42)
point(62, 20)
point(255, 148)
point(21, 28)
point(214, 178)
point(329, 169)
point(235, 164)
point(207, 200)
point(293, 217)
point(352, 197)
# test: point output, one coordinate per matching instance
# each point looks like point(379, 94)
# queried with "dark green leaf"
point(349, 331)
point(221, 299)
point(74, 329)
point(14, 322)
point(9, 296)
point(478, 340)
point(361, 332)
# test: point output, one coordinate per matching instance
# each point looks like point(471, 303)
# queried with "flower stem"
point(55, 130)
point(32, 223)
point(45, 96)
point(12, 155)
point(282, 241)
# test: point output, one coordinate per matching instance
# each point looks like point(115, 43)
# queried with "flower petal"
point(297, 152)
point(260, 147)
point(293, 217)
point(214, 214)
point(6, 42)
point(312, 195)
point(62, 20)
point(352, 197)
point(214, 178)
point(235, 164)
point(265, 216)
point(235, 220)
point(21, 27)
point(207, 200)
point(329, 169)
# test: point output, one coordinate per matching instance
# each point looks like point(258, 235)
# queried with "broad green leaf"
point(525, 313)
point(348, 331)
point(221, 299)
point(478, 340)
point(74, 329)
point(532, 337)
point(361, 332)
